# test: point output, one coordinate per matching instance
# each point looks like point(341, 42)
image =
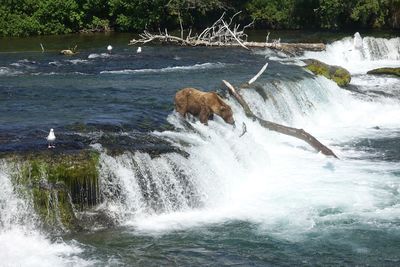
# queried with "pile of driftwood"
point(226, 34)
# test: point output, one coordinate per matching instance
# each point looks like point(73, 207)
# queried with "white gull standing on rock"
point(51, 138)
point(139, 50)
point(109, 48)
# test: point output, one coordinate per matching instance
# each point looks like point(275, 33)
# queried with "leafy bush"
point(31, 17)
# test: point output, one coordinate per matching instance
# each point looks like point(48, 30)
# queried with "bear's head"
point(226, 113)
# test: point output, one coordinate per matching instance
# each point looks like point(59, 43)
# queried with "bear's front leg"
point(204, 115)
point(181, 110)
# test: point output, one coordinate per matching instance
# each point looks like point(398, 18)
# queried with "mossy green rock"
point(58, 184)
point(388, 71)
point(336, 73)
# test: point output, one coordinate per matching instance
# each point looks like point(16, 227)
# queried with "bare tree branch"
point(221, 33)
point(252, 80)
point(298, 133)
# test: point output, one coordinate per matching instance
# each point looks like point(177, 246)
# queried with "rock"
point(335, 73)
point(67, 52)
point(382, 71)
point(59, 183)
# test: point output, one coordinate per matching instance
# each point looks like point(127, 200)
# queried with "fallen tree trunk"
point(291, 48)
point(298, 133)
point(224, 34)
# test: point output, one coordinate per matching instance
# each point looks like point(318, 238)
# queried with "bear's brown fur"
point(203, 105)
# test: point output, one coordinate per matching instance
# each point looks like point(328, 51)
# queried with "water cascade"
point(359, 55)
point(257, 177)
point(22, 241)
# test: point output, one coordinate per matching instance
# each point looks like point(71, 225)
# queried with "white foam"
point(102, 55)
point(53, 73)
point(16, 64)
point(78, 61)
point(370, 53)
point(55, 63)
point(168, 69)
point(274, 181)
point(21, 248)
point(4, 71)
point(270, 53)
point(27, 61)
point(21, 243)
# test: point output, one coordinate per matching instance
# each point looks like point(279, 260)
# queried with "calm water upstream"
point(259, 200)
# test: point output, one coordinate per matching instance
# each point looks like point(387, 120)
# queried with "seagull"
point(109, 48)
point(139, 50)
point(51, 138)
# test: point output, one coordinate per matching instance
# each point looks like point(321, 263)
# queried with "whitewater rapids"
point(276, 182)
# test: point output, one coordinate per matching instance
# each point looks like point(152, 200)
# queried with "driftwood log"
point(225, 34)
point(298, 133)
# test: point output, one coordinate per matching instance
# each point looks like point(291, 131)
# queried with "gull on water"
point(51, 138)
point(139, 50)
point(109, 48)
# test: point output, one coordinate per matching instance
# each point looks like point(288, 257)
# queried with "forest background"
point(44, 17)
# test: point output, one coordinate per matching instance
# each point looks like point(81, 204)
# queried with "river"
point(262, 199)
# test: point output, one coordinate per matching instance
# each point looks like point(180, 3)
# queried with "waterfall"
point(134, 183)
point(359, 55)
point(263, 177)
point(13, 209)
point(22, 243)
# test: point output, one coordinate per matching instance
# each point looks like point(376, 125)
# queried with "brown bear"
point(202, 104)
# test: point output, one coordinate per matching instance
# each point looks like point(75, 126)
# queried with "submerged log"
point(294, 132)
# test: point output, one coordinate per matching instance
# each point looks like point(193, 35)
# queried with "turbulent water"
point(260, 199)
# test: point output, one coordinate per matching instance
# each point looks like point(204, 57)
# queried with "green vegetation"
point(338, 74)
point(58, 184)
point(33, 17)
point(387, 71)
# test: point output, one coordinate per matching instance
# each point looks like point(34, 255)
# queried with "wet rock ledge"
point(385, 71)
point(338, 74)
point(59, 185)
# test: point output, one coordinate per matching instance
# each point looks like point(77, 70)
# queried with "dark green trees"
point(30, 17)
point(326, 14)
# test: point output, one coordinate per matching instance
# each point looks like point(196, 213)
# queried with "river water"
point(262, 199)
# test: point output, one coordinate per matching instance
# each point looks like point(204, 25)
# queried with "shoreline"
point(86, 41)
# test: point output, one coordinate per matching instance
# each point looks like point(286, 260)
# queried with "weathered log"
point(291, 48)
point(294, 132)
point(224, 34)
point(252, 80)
